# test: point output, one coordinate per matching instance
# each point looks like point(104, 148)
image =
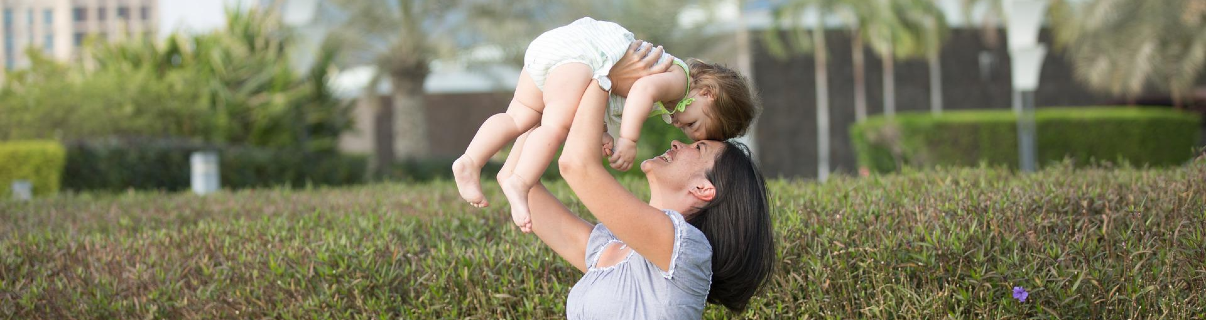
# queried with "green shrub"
point(164, 165)
point(40, 162)
point(1124, 243)
point(1140, 136)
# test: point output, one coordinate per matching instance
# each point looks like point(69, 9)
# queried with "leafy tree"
point(1120, 47)
point(229, 86)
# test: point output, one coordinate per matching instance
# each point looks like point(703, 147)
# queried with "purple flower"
point(1020, 294)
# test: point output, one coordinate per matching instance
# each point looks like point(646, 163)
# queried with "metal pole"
point(1027, 148)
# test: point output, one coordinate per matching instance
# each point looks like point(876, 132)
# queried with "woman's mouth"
point(665, 156)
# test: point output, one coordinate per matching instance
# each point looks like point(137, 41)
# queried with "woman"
point(705, 234)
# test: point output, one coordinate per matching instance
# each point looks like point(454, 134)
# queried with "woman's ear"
point(703, 190)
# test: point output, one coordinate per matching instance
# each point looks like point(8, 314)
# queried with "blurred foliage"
point(39, 162)
point(403, 38)
point(903, 29)
point(1122, 47)
point(157, 164)
point(231, 86)
point(1140, 136)
point(1090, 243)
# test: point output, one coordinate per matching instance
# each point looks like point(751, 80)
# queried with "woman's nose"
point(674, 144)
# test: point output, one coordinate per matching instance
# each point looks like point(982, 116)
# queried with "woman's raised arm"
point(636, 223)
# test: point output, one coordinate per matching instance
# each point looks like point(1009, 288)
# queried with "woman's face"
point(676, 167)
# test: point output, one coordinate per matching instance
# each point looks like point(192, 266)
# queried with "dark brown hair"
point(734, 107)
point(737, 224)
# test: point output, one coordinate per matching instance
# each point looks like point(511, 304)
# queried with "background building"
point(60, 27)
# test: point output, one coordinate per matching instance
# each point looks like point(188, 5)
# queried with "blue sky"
point(193, 15)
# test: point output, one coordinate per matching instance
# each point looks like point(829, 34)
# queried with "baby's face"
point(694, 121)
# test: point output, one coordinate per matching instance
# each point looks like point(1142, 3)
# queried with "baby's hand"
point(607, 145)
point(624, 154)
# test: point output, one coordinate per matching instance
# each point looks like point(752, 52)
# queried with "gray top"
point(635, 288)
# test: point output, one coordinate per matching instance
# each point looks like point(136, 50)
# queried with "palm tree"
point(808, 40)
point(859, 15)
point(926, 25)
point(1121, 47)
point(403, 37)
point(907, 29)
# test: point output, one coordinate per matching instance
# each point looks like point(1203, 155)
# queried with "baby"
point(710, 102)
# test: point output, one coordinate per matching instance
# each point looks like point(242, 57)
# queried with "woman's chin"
point(647, 165)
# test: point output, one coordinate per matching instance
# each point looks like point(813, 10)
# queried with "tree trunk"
point(1175, 94)
point(410, 117)
point(935, 83)
point(383, 130)
point(860, 79)
point(889, 73)
point(821, 58)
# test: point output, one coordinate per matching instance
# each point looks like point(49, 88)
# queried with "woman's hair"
point(738, 226)
point(734, 107)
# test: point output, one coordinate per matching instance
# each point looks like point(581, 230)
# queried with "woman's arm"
point(553, 223)
point(639, 225)
point(559, 228)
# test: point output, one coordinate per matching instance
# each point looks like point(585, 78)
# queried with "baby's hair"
point(735, 105)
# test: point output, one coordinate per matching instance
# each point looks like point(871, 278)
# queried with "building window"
point(9, 59)
point(8, 19)
point(79, 39)
point(30, 17)
point(48, 43)
point(100, 14)
point(146, 13)
point(123, 13)
point(79, 14)
point(48, 16)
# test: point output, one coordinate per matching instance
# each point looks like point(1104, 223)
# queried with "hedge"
point(1135, 135)
point(164, 165)
point(40, 162)
point(952, 243)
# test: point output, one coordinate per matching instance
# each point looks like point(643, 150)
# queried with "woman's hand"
point(638, 61)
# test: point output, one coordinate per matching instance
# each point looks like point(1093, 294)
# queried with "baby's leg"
point(521, 115)
point(563, 91)
point(508, 168)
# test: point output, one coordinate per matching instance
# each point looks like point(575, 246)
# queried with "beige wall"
point(62, 28)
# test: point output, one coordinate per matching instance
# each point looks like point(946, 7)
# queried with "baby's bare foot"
point(517, 193)
point(466, 174)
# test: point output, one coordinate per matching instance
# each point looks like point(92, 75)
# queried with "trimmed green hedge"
point(1140, 136)
point(40, 162)
point(164, 165)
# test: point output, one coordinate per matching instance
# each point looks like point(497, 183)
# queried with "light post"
point(1026, 62)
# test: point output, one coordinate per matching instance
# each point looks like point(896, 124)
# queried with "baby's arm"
point(666, 86)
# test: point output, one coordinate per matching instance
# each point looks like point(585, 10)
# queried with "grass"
point(1101, 243)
